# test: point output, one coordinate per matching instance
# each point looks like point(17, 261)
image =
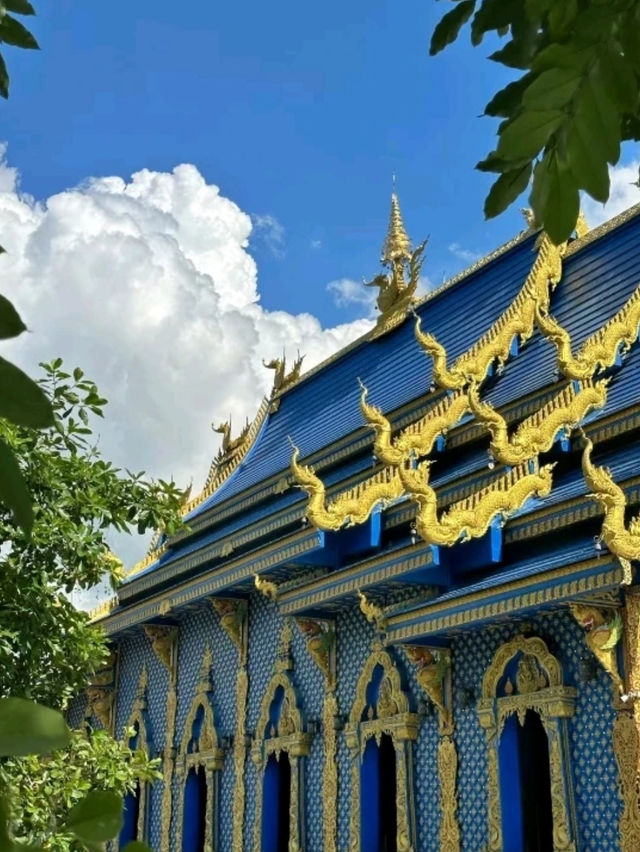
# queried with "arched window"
point(523, 710)
point(136, 802)
point(379, 734)
point(280, 744)
point(198, 763)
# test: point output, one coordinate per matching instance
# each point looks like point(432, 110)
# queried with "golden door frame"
point(392, 716)
point(206, 753)
point(539, 687)
point(139, 719)
point(288, 736)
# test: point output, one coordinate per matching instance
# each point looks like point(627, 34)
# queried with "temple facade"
point(402, 614)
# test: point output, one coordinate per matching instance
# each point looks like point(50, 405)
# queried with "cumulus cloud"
point(270, 232)
point(346, 292)
point(149, 286)
point(624, 193)
point(463, 254)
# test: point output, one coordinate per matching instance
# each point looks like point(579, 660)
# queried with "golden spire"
point(397, 245)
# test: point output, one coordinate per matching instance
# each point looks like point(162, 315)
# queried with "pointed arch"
point(382, 708)
point(141, 740)
point(201, 758)
point(525, 676)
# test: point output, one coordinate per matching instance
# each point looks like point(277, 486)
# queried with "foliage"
point(47, 648)
point(566, 115)
point(71, 798)
point(14, 33)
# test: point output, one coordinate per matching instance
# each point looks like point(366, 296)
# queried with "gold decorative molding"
point(517, 322)
point(200, 747)
point(471, 518)
point(103, 609)
point(284, 734)
point(138, 721)
point(320, 639)
point(281, 379)
point(538, 432)
point(389, 714)
point(395, 292)
point(433, 673)
point(233, 613)
point(101, 692)
point(539, 687)
point(603, 631)
point(626, 748)
point(351, 507)
point(601, 349)
point(374, 613)
point(622, 540)
point(448, 776)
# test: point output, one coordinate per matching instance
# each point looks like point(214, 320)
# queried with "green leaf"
point(585, 150)
point(4, 78)
point(506, 102)
point(493, 163)
point(563, 56)
point(493, 15)
point(22, 401)
point(535, 9)
point(618, 80)
point(20, 7)
point(600, 118)
point(13, 32)
point(6, 842)
point(449, 26)
point(97, 818)
point(136, 846)
point(561, 16)
point(526, 134)
point(505, 190)
point(13, 490)
point(553, 89)
point(10, 323)
point(29, 728)
point(560, 200)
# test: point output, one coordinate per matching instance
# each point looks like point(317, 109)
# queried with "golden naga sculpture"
point(163, 642)
point(351, 507)
point(602, 634)
point(431, 669)
point(622, 540)
point(233, 618)
point(372, 612)
point(100, 704)
point(229, 444)
point(417, 439)
point(281, 379)
point(395, 293)
point(601, 349)
point(266, 587)
point(471, 518)
point(537, 433)
point(517, 322)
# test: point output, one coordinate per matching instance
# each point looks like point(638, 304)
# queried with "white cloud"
point(149, 286)
point(316, 244)
point(623, 194)
point(463, 254)
point(270, 232)
point(347, 292)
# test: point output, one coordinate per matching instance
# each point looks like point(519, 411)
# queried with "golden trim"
point(391, 715)
point(601, 349)
point(626, 748)
point(540, 687)
point(602, 633)
point(538, 432)
point(621, 539)
point(448, 777)
point(433, 673)
point(138, 718)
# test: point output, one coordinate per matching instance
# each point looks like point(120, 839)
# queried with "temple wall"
point(592, 762)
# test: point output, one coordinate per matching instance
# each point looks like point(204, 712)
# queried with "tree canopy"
point(576, 100)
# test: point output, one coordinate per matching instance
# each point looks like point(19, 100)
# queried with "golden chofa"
point(538, 432)
point(517, 322)
point(418, 438)
point(472, 517)
point(622, 540)
point(350, 507)
point(601, 349)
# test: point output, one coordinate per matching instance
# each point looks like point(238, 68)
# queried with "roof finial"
point(397, 245)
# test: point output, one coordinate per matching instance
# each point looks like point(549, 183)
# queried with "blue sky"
point(300, 112)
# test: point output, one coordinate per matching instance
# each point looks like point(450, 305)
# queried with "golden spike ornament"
point(351, 507)
point(537, 433)
point(622, 540)
point(397, 245)
point(281, 379)
point(471, 518)
point(603, 631)
point(517, 322)
point(601, 349)
point(417, 439)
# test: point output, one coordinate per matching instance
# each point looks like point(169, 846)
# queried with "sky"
point(186, 189)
